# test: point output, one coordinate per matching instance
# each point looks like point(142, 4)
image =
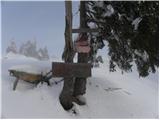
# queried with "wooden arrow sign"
point(60, 69)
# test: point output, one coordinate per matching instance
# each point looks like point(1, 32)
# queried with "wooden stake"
point(15, 83)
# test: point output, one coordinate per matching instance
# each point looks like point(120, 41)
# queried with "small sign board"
point(83, 49)
point(82, 46)
point(60, 69)
point(81, 43)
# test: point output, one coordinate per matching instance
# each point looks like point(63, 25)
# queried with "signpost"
point(74, 74)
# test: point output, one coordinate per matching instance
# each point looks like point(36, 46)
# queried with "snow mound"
point(33, 69)
point(108, 95)
point(12, 55)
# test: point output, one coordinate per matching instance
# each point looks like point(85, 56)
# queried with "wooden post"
point(15, 83)
point(80, 82)
point(68, 54)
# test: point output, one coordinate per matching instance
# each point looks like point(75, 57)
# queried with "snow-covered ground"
point(108, 95)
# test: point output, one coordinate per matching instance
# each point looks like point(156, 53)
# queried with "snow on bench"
point(31, 69)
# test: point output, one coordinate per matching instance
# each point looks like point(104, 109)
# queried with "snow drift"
point(108, 95)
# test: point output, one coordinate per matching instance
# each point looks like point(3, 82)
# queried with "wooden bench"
point(29, 77)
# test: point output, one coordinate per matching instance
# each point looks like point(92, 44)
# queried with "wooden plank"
point(60, 69)
point(85, 30)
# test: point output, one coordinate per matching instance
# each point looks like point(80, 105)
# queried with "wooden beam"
point(85, 30)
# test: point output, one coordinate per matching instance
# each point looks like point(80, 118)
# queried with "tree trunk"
point(72, 87)
point(68, 54)
point(80, 83)
point(66, 94)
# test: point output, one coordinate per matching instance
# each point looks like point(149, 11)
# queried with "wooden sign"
point(81, 43)
point(82, 47)
point(60, 69)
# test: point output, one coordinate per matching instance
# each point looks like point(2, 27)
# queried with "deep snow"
point(108, 95)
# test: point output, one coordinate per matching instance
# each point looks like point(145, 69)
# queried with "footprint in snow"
point(128, 93)
point(97, 85)
point(112, 89)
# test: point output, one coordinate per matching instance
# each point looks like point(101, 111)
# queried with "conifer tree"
point(131, 29)
point(12, 47)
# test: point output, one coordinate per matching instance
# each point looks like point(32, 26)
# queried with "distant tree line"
point(29, 49)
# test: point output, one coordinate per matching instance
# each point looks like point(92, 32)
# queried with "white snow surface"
point(29, 69)
point(14, 56)
point(108, 95)
point(109, 11)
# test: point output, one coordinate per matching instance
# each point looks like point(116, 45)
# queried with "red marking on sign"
point(83, 49)
point(82, 46)
point(81, 43)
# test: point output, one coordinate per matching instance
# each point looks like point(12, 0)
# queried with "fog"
point(43, 22)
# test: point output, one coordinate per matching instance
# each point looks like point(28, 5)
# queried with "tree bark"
point(68, 54)
point(80, 83)
point(72, 87)
point(66, 94)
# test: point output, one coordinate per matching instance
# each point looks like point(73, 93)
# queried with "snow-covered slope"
point(108, 95)
point(14, 56)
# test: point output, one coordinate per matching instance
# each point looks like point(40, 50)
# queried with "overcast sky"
point(43, 21)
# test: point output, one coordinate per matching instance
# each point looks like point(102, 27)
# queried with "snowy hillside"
point(108, 95)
